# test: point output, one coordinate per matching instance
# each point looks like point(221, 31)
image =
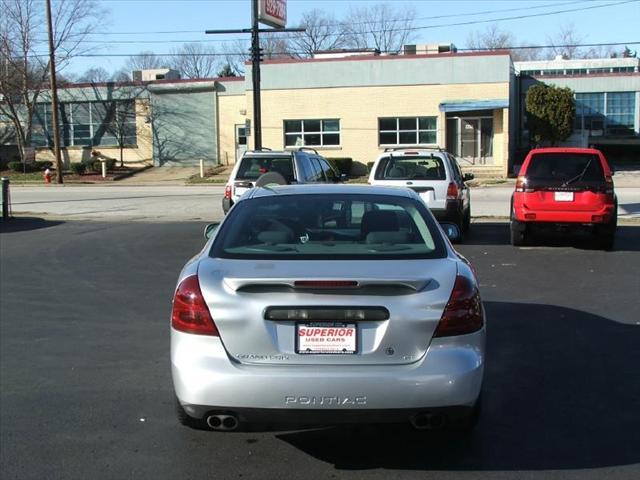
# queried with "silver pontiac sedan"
point(327, 304)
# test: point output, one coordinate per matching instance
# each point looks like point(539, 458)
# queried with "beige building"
point(358, 106)
point(344, 106)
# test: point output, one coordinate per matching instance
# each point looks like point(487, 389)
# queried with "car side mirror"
point(452, 231)
point(468, 176)
point(210, 229)
point(612, 170)
point(343, 177)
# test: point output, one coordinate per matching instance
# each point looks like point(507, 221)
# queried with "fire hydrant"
point(47, 176)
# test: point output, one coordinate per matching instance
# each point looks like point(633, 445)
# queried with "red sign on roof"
point(273, 13)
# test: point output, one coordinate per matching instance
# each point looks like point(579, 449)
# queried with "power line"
point(518, 17)
point(468, 14)
point(403, 29)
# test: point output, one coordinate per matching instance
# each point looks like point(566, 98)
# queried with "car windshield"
point(423, 167)
point(564, 167)
point(329, 227)
point(252, 167)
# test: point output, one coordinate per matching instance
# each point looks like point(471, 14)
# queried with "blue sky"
point(125, 20)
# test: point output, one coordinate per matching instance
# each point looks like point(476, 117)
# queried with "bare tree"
point(94, 75)
point(226, 71)
point(146, 60)
point(526, 53)
point(380, 26)
point(322, 32)
point(24, 71)
point(276, 46)
point(195, 60)
point(600, 51)
point(120, 122)
point(494, 38)
point(564, 41)
point(121, 75)
point(235, 54)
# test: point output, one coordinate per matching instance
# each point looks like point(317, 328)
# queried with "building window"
point(87, 124)
point(621, 107)
point(623, 69)
point(317, 133)
point(589, 111)
point(610, 112)
point(407, 130)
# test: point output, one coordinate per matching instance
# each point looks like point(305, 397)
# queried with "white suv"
point(434, 174)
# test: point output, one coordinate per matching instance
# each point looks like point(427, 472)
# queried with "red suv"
point(564, 187)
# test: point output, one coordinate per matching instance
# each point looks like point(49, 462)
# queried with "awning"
point(466, 105)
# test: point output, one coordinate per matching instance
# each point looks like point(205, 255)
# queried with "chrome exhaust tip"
point(222, 422)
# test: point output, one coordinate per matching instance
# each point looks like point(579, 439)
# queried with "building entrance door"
point(469, 138)
point(241, 140)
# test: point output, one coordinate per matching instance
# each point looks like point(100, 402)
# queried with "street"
point(86, 388)
point(179, 203)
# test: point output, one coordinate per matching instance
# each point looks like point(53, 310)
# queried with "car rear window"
point(564, 167)
point(252, 167)
point(428, 167)
point(329, 227)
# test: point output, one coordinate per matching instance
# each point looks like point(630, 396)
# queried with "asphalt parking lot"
point(86, 389)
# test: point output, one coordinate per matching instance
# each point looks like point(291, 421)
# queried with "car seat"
point(396, 172)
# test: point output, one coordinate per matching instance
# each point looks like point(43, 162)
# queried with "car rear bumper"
point(206, 379)
point(599, 216)
point(314, 416)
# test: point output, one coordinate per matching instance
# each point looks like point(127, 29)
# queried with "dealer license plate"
point(326, 338)
point(564, 196)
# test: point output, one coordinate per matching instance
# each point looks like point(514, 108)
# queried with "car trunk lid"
point(259, 308)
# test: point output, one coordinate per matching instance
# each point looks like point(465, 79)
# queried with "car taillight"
point(520, 183)
point(463, 313)
point(227, 191)
point(452, 191)
point(609, 188)
point(190, 313)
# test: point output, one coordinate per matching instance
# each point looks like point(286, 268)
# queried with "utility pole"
point(255, 76)
point(54, 96)
point(256, 57)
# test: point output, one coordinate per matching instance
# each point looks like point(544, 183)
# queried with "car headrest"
point(379, 221)
point(275, 236)
point(387, 237)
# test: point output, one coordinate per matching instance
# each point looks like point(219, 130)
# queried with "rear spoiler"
point(326, 284)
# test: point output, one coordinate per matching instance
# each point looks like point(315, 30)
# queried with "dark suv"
point(259, 168)
point(565, 188)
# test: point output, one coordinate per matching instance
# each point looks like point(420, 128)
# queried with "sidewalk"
point(158, 176)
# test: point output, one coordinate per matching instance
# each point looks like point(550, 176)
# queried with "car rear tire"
point(518, 239)
point(188, 421)
point(270, 178)
point(466, 223)
point(606, 236)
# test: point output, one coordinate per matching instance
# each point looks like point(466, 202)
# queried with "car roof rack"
point(308, 148)
point(415, 147)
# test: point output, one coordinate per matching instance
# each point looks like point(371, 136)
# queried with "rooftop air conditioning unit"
point(410, 49)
